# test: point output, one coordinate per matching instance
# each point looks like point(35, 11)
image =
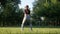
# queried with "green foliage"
point(48, 9)
point(10, 12)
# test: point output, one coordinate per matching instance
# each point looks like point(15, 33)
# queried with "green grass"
point(17, 30)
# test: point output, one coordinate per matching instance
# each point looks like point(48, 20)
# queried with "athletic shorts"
point(27, 16)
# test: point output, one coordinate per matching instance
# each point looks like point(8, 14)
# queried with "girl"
point(26, 16)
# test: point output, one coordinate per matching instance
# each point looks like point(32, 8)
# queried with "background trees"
point(10, 14)
point(49, 9)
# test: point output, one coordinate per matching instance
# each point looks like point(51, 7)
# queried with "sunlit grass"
point(17, 30)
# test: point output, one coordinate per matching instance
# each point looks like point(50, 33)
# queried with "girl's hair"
point(27, 6)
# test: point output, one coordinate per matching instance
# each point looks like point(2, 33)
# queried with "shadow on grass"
point(44, 26)
point(35, 26)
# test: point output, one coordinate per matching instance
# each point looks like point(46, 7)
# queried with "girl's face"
point(27, 7)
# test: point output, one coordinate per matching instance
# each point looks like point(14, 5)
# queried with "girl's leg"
point(24, 19)
point(30, 21)
point(30, 24)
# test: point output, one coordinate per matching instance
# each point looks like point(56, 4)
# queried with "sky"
point(26, 2)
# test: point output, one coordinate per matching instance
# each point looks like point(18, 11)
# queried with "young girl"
point(26, 16)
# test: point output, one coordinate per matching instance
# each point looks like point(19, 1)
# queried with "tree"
point(10, 14)
point(48, 9)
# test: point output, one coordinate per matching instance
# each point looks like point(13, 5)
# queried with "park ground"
point(17, 30)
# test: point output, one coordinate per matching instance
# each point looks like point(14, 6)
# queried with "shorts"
point(27, 16)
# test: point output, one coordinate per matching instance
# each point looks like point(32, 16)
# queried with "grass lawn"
point(17, 30)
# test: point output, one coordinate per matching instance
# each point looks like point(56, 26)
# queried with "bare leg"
point(30, 24)
point(24, 19)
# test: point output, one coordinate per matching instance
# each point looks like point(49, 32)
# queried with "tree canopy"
point(10, 13)
point(50, 9)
